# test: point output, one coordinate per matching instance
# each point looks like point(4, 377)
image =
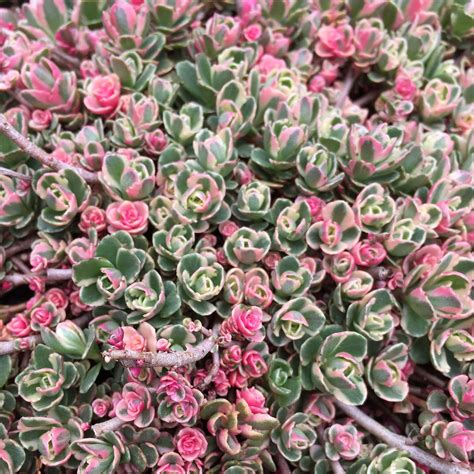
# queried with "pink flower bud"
point(93, 217)
point(42, 316)
point(317, 84)
point(19, 326)
point(116, 339)
point(190, 443)
point(252, 32)
point(254, 398)
point(254, 364)
point(405, 87)
point(103, 94)
point(231, 357)
point(129, 216)
point(58, 297)
point(100, 407)
point(227, 228)
point(368, 254)
point(244, 322)
point(40, 120)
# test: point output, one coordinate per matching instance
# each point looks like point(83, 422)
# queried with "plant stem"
point(161, 359)
point(282, 465)
point(400, 442)
point(110, 425)
point(34, 151)
point(53, 274)
point(216, 360)
point(369, 97)
point(437, 382)
point(20, 265)
point(19, 247)
point(346, 88)
point(14, 174)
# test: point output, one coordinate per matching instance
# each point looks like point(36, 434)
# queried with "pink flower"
point(103, 94)
point(100, 406)
point(254, 398)
point(190, 443)
point(405, 87)
point(368, 254)
point(132, 339)
point(227, 228)
point(41, 316)
point(58, 297)
point(129, 216)
point(252, 32)
point(244, 322)
point(93, 217)
point(254, 364)
point(269, 63)
point(40, 120)
point(19, 326)
point(335, 41)
point(231, 357)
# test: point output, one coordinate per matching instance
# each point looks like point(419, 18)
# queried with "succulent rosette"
point(65, 194)
point(253, 202)
point(295, 320)
point(283, 381)
point(336, 232)
point(333, 364)
point(290, 279)
point(317, 169)
point(184, 126)
point(246, 247)
point(404, 236)
point(45, 380)
point(374, 316)
point(172, 244)
point(199, 198)
point(135, 405)
point(291, 225)
point(12, 456)
point(384, 373)
point(199, 281)
point(128, 179)
point(342, 442)
point(386, 459)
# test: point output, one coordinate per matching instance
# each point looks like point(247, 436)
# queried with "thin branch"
point(400, 442)
point(53, 274)
point(367, 98)
point(20, 265)
point(34, 151)
point(19, 247)
point(424, 374)
point(14, 174)
point(161, 359)
point(105, 426)
point(335, 465)
point(216, 360)
point(346, 88)
point(282, 465)
point(8, 309)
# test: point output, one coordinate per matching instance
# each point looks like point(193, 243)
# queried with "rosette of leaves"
point(65, 194)
point(44, 381)
point(374, 315)
point(283, 381)
point(215, 152)
point(250, 460)
point(199, 281)
point(439, 291)
point(200, 199)
point(246, 246)
point(227, 422)
point(373, 209)
point(12, 455)
point(374, 156)
point(282, 140)
point(58, 314)
point(51, 435)
point(317, 170)
point(290, 279)
point(102, 454)
point(151, 298)
point(128, 179)
point(332, 363)
point(172, 244)
point(439, 99)
point(119, 260)
point(17, 206)
point(458, 402)
point(384, 373)
point(452, 351)
point(448, 440)
point(235, 109)
point(253, 202)
point(291, 221)
point(342, 441)
point(160, 213)
point(296, 320)
point(184, 126)
point(384, 459)
point(144, 445)
point(294, 436)
point(404, 237)
point(336, 232)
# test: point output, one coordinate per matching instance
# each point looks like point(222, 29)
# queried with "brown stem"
point(367, 98)
point(105, 426)
point(19, 247)
point(34, 151)
point(437, 382)
point(216, 360)
point(20, 265)
point(161, 359)
point(346, 88)
point(282, 465)
point(400, 442)
point(8, 309)
point(335, 465)
point(53, 274)
point(14, 174)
